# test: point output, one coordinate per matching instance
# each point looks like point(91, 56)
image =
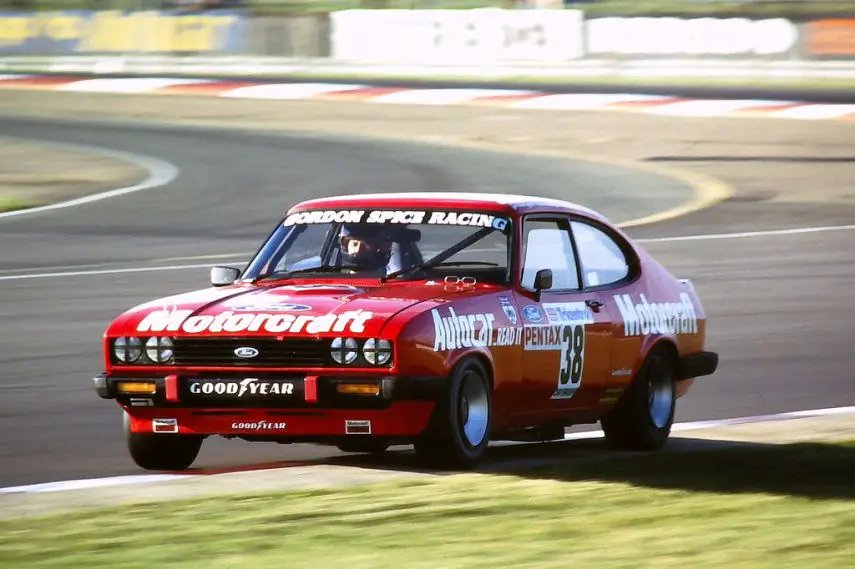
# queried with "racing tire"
point(459, 431)
point(641, 420)
point(162, 451)
point(369, 446)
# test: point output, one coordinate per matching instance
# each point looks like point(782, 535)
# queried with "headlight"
point(344, 350)
point(127, 349)
point(159, 349)
point(377, 352)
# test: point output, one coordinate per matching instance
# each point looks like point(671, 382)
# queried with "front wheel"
point(642, 418)
point(161, 451)
point(459, 432)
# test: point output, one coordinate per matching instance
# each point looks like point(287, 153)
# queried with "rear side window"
point(602, 260)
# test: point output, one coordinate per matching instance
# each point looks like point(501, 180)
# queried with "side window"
point(601, 258)
point(546, 245)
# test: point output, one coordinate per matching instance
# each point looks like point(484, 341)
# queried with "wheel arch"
point(479, 356)
point(666, 345)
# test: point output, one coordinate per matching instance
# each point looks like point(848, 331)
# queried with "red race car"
point(438, 320)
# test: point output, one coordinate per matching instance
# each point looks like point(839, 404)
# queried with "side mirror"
point(224, 276)
point(542, 280)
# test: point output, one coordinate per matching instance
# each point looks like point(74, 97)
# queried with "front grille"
point(295, 352)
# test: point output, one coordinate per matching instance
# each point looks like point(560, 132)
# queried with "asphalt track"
point(780, 306)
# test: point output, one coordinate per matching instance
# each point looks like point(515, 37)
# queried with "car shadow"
point(806, 470)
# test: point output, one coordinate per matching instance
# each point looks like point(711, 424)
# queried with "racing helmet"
point(365, 246)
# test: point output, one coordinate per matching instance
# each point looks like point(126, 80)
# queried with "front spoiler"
point(401, 420)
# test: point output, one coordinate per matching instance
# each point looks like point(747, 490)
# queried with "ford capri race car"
point(438, 320)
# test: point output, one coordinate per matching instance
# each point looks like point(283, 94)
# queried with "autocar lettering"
point(460, 331)
point(175, 320)
point(467, 330)
point(642, 318)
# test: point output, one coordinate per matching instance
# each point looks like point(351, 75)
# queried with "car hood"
point(286, 310)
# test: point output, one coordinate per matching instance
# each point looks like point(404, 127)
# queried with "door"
point(608, 263)
point(567, 331)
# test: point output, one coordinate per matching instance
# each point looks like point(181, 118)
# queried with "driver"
point(365, 247)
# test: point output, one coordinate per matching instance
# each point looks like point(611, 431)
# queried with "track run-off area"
point(758, 212)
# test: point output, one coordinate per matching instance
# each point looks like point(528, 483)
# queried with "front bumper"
point(301, 407)
point(303, 391)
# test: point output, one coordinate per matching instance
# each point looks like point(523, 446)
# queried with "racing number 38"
point(572, 360)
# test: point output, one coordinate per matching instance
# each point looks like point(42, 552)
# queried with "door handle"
point(594, 304)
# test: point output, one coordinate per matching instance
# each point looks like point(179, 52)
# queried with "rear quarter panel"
point(656, 308)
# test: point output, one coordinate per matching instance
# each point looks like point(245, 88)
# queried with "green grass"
point(600, 7)
point(9, 203)
point(755, 507)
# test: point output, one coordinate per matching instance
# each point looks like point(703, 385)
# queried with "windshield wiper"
point(429, 265)
point(321, 269)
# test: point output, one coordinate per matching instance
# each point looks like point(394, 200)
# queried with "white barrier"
point(690, 37)
point(456, 36)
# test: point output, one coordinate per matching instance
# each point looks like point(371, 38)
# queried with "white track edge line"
point(678, 427)
point(103, 272)
point(744, 234)
point(160, 173)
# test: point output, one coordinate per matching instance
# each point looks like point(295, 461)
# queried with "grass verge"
point(11, 203)
point(747, 506)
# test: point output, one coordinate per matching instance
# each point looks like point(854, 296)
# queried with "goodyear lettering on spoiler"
point(657, 317)
point(175, 320)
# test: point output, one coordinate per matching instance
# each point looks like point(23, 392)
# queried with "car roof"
point(507, 203)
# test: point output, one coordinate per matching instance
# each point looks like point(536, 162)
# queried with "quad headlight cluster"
point(375, 351)
point(154, 350)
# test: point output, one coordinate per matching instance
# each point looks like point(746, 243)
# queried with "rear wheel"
point(459, 432)
point(642, 418)
point(161, 451)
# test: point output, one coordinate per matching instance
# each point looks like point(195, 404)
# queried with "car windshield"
point(387, 244)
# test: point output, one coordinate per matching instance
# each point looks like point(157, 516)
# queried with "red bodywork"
point(523, 356)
